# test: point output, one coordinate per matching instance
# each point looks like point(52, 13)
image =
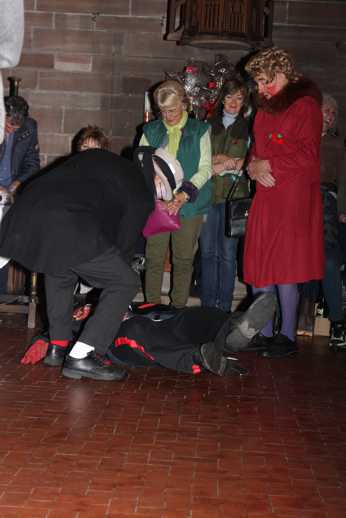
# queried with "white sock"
point(80, 350)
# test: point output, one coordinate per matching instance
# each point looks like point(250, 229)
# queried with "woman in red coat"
point(284, 238)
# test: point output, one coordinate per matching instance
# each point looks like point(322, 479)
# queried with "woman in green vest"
point(188, 141)
point(229, 138)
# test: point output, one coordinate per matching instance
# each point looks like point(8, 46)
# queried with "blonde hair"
point(170, 94)
point(270, 62)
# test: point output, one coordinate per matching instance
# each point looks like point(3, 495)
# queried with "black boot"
point(251, 322)
point(92, 367)
point(259, 343)
point(233, 367)
point(280, 347)
point(212, 359)
point(55, 355)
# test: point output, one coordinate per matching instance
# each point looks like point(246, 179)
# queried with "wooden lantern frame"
point(221, 23)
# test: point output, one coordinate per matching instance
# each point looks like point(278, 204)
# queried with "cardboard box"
point(322, 326)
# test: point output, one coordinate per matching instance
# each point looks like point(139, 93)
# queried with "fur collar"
point(292, 92)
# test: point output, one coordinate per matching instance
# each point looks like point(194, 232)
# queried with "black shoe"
point(251, 322)
point(337, 337)
point(212, 359)
point(280, 347)
point(259, 343)
point(233, 367)
point(55, 355)
point(92, 367)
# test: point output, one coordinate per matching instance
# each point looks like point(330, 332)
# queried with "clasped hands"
point(260, 171)
point(223, 163)
point(173, 206)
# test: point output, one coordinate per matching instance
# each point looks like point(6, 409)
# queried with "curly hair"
point(170, 94)
point(89, 132)
point(270, 61)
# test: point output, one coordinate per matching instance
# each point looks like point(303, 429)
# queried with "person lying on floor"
point(187, 340)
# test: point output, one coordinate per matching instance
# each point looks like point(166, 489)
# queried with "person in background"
point(333, 189)
point(89, 137)
point(19, 152)
point(187, 140)
point(229, 140)
point(19, 155)
point(284, 236)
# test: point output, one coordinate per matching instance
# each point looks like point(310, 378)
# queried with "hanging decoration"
point(202, 83)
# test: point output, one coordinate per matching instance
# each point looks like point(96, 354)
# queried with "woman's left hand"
point(178, 201)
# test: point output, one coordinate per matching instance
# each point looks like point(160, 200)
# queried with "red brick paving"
point(167, 445)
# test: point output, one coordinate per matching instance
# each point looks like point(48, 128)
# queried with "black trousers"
point(119, 284)
point(172, 343)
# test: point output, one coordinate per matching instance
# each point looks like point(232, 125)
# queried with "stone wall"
point(90, 61)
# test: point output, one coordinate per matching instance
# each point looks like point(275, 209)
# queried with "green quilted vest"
point(188, 155)
point(232, 142)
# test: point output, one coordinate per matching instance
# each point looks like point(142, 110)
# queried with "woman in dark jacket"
point(229, 139)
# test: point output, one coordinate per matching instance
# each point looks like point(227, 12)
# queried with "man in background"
point(19, 157)
point(19, 152)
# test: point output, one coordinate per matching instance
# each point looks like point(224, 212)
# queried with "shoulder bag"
point(236, 212)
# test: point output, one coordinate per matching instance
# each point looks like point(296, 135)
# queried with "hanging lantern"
point(243, 24)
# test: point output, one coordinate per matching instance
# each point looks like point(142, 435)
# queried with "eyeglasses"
point(170, 111)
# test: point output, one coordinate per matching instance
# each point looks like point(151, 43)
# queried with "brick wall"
point(90, 61)
point(315, 32)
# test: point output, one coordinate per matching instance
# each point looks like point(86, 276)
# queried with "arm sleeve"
point(204, 168)
point(301, 140)
point(11, 32)
point(143, 141)
point(31, 161)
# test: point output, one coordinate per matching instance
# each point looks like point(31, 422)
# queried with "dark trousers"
point(119, 284)
point(4, 279)
point(173, 343)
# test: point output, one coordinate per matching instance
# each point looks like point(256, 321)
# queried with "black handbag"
point(236, 212)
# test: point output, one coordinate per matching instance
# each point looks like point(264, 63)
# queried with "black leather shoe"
point(212, 359)
point(233, 367)
point(280, 347)
point(55, 355)
point(259, 343)
point(251, 322)
point(92, 367)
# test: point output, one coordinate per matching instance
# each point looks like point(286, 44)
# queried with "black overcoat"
point(76, 211)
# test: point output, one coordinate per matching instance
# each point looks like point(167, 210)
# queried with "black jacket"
point(25, 152)
point(76, 211)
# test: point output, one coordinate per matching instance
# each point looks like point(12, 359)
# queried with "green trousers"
point(183, 243)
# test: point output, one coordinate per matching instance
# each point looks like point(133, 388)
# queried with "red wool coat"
point(284, 237)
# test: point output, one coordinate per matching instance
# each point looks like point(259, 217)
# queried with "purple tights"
point(288, 299)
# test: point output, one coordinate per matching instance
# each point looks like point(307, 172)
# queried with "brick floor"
point(166, 445)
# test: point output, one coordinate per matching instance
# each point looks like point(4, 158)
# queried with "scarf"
point(228, 119)
point(174, 134)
